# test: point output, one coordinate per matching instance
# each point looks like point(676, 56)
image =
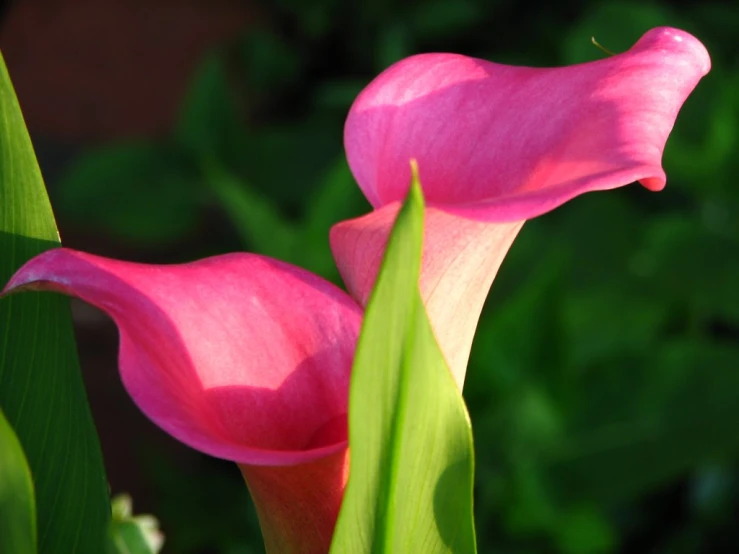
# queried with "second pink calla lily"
point(241, 357)
point(497, 145)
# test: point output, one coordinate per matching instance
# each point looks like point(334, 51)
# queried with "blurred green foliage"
point(130, 534)
point(604, 380)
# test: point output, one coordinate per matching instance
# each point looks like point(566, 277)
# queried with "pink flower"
point(497, 145)
point(241, 357)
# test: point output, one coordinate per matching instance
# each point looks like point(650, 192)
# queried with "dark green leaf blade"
point(410, 483)
point(17, 504)
point(41, 390)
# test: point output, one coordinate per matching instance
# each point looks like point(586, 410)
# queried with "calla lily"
point(241, 357)
point(497, 145)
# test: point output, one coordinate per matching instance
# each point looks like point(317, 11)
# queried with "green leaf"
point(264, 228)
point(131, 534)
point(633, 324)
point(394, 44)
point(337, 93)
point(336, 198)
point(17, 504)
point(680, 415)
point(583, 531)
point(439, 19)
point(692, 266)
point(41, 390)
point(616, 26)
point(410, 485)
point(149, 192)
point(271, 62)
point(528, 334)
point(706, 137)
point(285, 162)
point(258, 222)
point(209, 118)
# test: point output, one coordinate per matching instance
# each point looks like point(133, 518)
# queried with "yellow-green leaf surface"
point(17, 506)
point(41, 390)
point(410, 481)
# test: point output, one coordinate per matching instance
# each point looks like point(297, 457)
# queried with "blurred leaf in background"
point(131, 534)
point(149, 194)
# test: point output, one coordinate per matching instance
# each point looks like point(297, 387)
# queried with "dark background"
point(604, 380)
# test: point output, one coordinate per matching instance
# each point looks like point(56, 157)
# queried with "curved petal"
point(239, 356)
point(503, 143)
point(460, 259)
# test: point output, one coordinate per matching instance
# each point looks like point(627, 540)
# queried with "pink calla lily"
point(238, 356)
point(497, 145)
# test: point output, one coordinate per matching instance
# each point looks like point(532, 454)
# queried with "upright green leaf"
point(41, 390)
point(410, 483)
point(17, 505)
